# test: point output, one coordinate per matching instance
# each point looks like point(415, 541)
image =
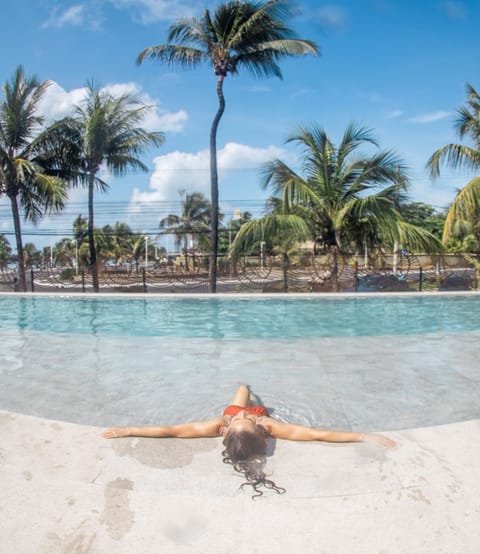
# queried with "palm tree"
point(5, 251)
point(281, 233)
point(347, 199)
point(32, 256)
point(64, 252)
point(138, 246)
point(121, 237)
point(193, 220)
point(104, 130)
point(466, 206)
point(25, 179)
point(239, 34)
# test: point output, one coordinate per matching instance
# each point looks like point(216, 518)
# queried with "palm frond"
point(173, 54)
point(468, 120)
point(278, 227)
point(465, 207)
point(287, 185)
point(378, 170)
point(412, 238)
point(456, 156)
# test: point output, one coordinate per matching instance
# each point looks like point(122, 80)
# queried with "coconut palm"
point(27, 182)
point(193, 220)
point(105, 131)
point(5, 251)
point(466, 206)
point(32, 256)
point(280, 233)
point(250, 35)
point(121, 238)
point(80, 229)
point(64, 253)
point(137, 248)
point(346, 198)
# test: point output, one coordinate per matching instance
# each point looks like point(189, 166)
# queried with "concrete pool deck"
point(67, 490)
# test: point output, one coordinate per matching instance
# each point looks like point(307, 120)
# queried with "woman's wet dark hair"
point(245, 451)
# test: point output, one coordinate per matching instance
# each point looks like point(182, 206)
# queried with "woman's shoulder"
point(267, 423)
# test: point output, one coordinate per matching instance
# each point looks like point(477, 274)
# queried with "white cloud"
point(156, 118)
point(241, 156)
point(394, 114)
point(187, 171)
point(167, 122)
point(77, 15)
point(150, 11)
point(301, 92)
point(89, 13)
point(430, 117)
point(58, 103)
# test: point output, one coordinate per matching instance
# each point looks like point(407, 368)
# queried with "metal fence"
point(306, 273)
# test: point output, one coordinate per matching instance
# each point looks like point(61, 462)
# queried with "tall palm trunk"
point(18, 237)
point(91, 237)
point(285, 272)
point(212, 270)
point(185, 250)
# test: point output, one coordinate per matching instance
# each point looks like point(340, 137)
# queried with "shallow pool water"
point(348, 363)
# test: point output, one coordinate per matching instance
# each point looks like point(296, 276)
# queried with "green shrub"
point(67, 274)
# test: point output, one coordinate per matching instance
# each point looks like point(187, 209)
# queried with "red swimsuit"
point(258, 411)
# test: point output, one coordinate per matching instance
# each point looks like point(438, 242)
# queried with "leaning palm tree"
point(248, 34)
point(105, 131)
point(24, 178)
point(347, 199)
point(466, 206)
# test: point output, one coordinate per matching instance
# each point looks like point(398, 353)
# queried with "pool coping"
point(249, 295)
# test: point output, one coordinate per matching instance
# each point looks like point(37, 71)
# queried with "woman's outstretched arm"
point(192, 430)
point(293, 432)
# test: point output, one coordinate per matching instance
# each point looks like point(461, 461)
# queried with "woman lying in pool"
point(245, 424)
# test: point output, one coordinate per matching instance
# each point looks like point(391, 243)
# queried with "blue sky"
point(398, 67)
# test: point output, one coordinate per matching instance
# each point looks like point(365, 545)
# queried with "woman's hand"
point(116, 433)
point(378, 440)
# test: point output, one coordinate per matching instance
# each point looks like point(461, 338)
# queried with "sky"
point(397, 67)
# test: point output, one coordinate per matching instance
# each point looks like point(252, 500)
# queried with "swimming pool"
point(356, 362)
point(243, 318)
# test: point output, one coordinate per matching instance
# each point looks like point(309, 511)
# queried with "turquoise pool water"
point(348, 362)
point(242, 318)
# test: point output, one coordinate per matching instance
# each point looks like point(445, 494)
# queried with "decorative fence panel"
point(256, 274)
